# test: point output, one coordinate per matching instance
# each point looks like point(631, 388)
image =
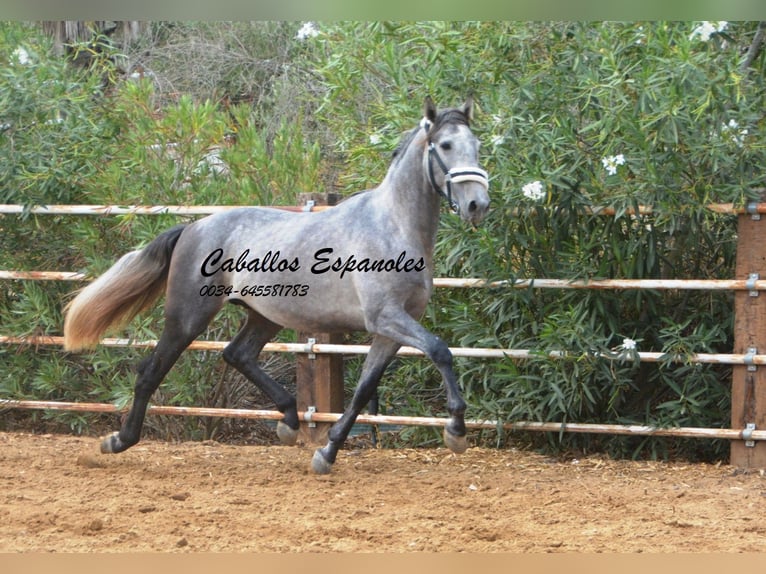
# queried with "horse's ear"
point(429, 110)
point(468, 108)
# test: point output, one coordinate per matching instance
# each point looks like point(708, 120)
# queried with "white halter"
point(455, 175)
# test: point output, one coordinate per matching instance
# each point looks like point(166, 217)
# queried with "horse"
point(364, 265)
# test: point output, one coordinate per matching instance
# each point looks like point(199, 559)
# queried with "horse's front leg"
point(401, 327)
point(454, 432)
point(382, 350)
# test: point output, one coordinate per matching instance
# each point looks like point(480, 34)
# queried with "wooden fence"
point(320, 366)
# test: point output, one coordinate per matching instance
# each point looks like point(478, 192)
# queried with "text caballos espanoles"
point(321, 262)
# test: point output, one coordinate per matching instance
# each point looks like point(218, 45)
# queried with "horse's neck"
point(412, 201)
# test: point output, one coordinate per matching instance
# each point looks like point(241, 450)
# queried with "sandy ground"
point(58, 494)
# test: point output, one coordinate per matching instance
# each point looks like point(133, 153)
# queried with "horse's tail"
point(131, 285)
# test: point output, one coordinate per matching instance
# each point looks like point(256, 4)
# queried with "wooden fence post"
point(319, 386)
point(319, 378)
point(748, 388)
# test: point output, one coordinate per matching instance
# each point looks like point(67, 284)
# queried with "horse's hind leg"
point(242, 354)
point(180, 330)
point(382, 350)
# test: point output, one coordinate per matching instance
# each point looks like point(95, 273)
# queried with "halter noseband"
point(454, 175)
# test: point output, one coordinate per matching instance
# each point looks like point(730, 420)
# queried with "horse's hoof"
point(457, 444)
point(109, 443)
point(287, 436)
point(319, 463)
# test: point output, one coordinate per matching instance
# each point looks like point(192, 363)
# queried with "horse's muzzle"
point(476, 209)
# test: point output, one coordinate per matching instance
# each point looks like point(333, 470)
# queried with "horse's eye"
point(446, 146)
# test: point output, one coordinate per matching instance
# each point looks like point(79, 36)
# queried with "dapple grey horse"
point(364, 265)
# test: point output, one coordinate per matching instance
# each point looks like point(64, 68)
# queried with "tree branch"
point(755, 48)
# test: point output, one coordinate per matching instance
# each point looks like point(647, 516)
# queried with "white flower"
point(628, 344)
point(140, 74)
point(610, 163)
point(497, 140)
point(308, 30)
point(212, 164)
point(624, 352)
point(706, 29)
point(21, 55)
point(641, 36)
point(733, 130)
point(534, 191)
point(375, 139)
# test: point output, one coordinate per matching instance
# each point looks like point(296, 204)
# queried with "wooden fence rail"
point(310, 416)
point(452, 282)
point(751, 208)
point(311, 347)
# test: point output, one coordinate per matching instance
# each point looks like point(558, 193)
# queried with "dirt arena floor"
point(57, 494)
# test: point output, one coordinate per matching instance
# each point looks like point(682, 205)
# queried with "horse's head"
point(453, 160)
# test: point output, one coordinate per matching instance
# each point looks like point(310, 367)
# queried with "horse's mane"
point(444, 117)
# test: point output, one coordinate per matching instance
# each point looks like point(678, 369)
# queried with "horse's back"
point(329, 270)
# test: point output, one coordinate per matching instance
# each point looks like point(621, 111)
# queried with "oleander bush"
point(70, 138)
point(572, 116)
point(575, 116)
